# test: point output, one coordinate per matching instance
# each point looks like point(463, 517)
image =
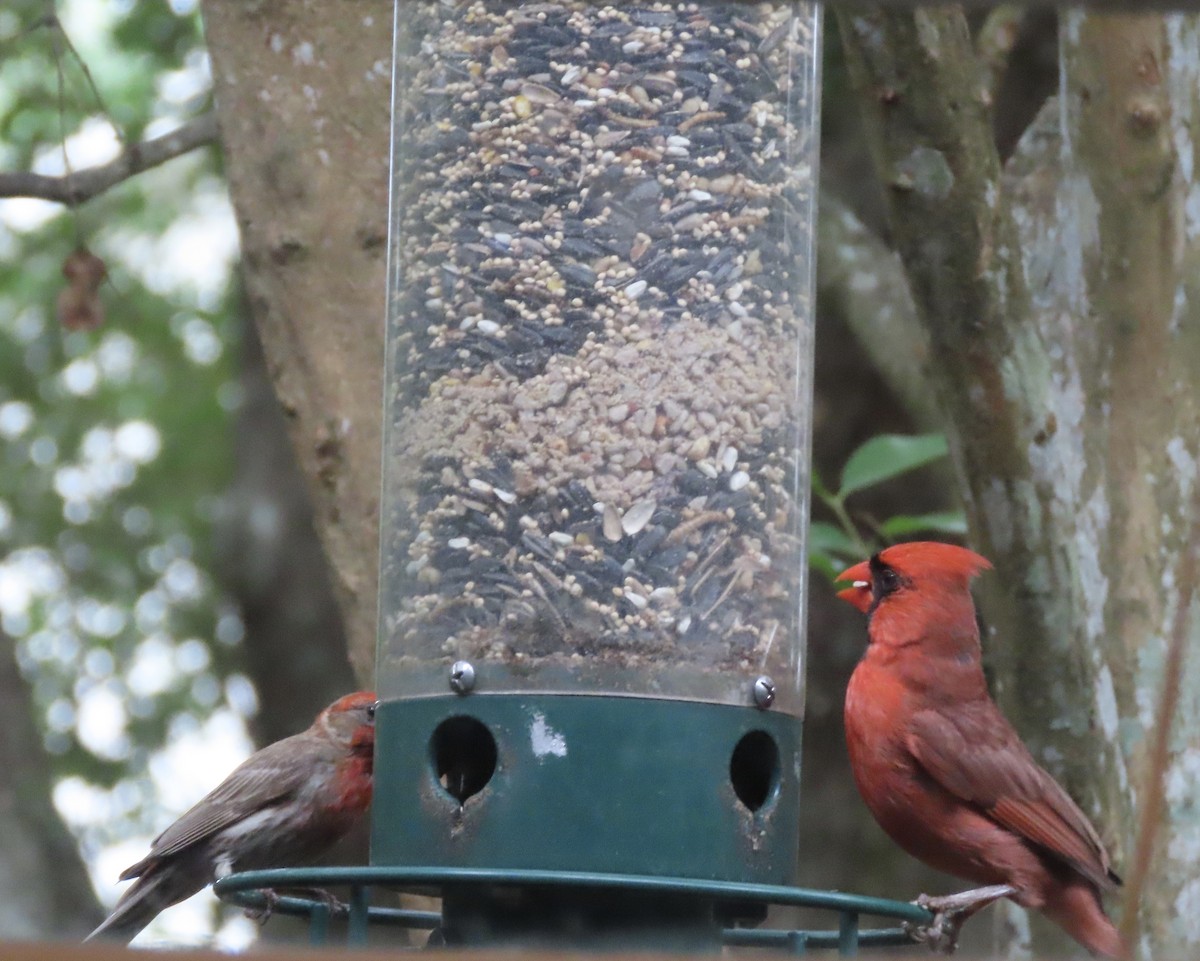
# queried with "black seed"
point(693, 79)
point(578, 247)
point(648, 541)
point(577, 275)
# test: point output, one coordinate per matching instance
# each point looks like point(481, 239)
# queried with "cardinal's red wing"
point(975, 754)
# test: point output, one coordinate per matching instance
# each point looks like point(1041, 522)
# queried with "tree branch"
point(929, 130)
point(82, 185)
point(864, 281)
point(995, 41)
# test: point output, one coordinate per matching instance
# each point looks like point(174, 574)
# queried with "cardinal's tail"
point(161, 886)
point(1078, 909)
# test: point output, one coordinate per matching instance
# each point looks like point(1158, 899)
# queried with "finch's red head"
point(918, 563)
point(350, 721)
point(359, 700)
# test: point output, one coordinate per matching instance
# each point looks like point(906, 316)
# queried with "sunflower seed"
point(638, 516)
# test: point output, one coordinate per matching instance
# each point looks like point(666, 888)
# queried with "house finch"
point(285, 805)
point(940, 768)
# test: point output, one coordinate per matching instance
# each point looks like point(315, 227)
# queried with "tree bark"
point(44, 886)
point(273, 564)
point(1065, 330)
point(860, 280)
point(303, 95)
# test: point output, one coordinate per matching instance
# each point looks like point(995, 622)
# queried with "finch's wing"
point(263, 779)
point(976, 755)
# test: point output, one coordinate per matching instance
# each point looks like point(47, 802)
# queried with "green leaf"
point(829, 539)
point(943, 522)
point(822, 564)
point(887, 456)
point(827, 544)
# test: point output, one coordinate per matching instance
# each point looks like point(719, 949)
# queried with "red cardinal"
point(285, 805)
point(940, 768)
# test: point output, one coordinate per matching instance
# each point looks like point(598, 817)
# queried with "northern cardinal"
point(940, 768)
point(284, 805)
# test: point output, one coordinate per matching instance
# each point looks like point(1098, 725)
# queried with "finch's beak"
point(859, 593)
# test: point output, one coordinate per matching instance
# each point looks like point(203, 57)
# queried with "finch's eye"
point(371, 712)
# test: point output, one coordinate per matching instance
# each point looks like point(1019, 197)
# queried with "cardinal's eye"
point(889, 581)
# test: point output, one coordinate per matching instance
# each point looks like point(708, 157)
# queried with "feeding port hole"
point(754, 769)
point(463, 753)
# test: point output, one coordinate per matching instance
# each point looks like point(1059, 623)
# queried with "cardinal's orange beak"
point(860, 593)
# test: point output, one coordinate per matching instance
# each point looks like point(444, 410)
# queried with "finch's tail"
point(1078, 909)
point(157, 889)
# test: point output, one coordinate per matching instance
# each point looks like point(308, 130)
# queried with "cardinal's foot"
point(950, 913)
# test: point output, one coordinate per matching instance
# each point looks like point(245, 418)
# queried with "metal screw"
point(764, 692)
point(462, 677)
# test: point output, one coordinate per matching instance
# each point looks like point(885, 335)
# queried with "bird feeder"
point(595, 500)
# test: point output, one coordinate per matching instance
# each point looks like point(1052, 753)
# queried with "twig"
point(56, 38)
point(1153, 791)
point(9, 42)
point(83, 185)
point(52, 20)
point(851, 529)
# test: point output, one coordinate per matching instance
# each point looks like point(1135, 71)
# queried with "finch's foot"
point(271, 898)
point(338, 909)
point(263, 914)
point(949, 914)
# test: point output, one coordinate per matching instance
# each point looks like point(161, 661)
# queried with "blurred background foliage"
point(115, 443)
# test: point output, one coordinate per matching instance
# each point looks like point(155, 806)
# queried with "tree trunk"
point(1064, 323)
point(303, 95)
point(44, 886)
point(272, 563)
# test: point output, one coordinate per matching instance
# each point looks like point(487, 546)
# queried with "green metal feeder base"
point(569, 782)
point(245, 889)
point(568, 821)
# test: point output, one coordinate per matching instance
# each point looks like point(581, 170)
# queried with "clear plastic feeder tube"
point(600, 347)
